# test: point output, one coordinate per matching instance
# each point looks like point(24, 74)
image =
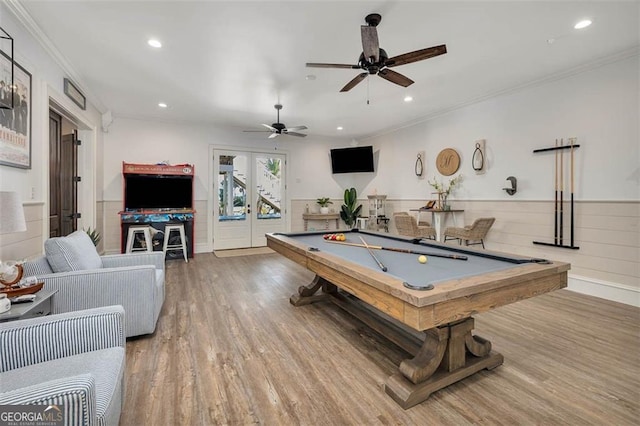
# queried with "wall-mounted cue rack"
point(558, 228)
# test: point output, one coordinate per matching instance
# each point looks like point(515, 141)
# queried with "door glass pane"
point(232, 188)
point(269, 187)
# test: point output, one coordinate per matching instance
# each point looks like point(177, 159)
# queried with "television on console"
point(352, 160)
point(156, 192)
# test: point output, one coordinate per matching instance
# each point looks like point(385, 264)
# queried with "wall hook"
point(513, 185)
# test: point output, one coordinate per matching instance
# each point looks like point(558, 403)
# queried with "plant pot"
point(324, 210)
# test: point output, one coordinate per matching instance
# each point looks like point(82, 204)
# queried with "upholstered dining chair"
point(473, 234)
point(408, 226)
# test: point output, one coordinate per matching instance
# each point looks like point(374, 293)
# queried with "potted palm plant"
point(324, 204)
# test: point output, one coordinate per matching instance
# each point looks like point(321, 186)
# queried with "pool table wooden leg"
point(307, 294)
point(448, 354)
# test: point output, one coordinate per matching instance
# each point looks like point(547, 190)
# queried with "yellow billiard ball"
point(422, 259)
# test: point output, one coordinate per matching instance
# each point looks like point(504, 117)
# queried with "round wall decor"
point(448, 161)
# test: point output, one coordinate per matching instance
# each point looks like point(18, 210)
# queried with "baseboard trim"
point(605, 290)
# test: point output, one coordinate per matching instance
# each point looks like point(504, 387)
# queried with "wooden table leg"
point(448, 354)
point(306, 294)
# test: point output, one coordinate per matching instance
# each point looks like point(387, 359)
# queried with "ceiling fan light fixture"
point(154, 43)
point(582, 24)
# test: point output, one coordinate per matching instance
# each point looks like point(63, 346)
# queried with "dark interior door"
point(68, 184)
point(63, 180)
point(55, 140)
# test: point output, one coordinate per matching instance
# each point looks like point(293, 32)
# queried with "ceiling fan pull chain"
point(368, 89)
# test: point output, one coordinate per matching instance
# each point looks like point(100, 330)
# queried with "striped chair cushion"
point(106, 366)
point(37, 267)
point(75, 252)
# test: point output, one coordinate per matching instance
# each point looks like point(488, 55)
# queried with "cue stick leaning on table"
point(399, 250)
point(384, 268)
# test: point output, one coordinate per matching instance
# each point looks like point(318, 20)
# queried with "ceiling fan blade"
point(258, 131)
point(302, 135)
point(418, 55)
point(370, 45)
point(317, 65)
point(296, 128)
point(350, 85)
point(395, 77)
point(273, 135)
point(269, 127)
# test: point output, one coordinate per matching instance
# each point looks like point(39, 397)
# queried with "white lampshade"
point(11, 213)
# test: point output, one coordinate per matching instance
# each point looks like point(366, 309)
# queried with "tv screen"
point(352, 160)
point(157, 192)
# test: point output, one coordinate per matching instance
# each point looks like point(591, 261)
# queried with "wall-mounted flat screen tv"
point(352, 160)
point(142, 192)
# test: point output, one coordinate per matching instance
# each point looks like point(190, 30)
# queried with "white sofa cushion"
point(75, 252)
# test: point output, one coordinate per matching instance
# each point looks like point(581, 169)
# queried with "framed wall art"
point(15, 123)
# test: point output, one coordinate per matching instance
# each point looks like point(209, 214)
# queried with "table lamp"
point(11, 213)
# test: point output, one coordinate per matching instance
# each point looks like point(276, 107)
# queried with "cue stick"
point(384, 268)
point(572, 142)
point(561, 188)
point(399, 250)
point(555, 212)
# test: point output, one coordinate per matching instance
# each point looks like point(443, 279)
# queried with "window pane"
point(232, 188)
point(269, 187)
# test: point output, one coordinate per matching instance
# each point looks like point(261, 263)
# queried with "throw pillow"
point(75, 252)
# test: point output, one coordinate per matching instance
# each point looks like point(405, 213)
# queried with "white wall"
point(599, 107)
point(32, 184)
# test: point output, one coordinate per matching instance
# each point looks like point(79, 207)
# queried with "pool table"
point(425, 308)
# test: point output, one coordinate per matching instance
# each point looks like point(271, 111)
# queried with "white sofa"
point(73, 361)
point(83, 280)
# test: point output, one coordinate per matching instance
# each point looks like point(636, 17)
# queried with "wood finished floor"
point(229, 349)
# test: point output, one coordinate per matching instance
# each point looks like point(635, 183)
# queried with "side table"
point(39, 307)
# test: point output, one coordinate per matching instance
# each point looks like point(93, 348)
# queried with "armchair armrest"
point(40, 339)
point(78, 394)
point(134, 259)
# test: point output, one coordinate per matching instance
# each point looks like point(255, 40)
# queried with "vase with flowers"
point(444, 190)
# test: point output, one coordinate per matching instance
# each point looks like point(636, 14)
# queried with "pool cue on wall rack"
point(572, 142)
point(384, 268)
point(555, 207)
point(561, 225)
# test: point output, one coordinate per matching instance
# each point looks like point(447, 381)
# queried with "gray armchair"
point(83, 379)
point(134, 281)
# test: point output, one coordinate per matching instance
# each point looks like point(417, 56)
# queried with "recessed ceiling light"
point(582, 24)
point(339, 128)
point(162, 105)
point(310, 77)
point(154, 43)
point(408, 98)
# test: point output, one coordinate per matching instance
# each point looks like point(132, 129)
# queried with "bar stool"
point(131, 239)
point(179, 227)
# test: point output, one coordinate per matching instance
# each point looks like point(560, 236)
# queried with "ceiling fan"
point(375, 60)
point(279, 128)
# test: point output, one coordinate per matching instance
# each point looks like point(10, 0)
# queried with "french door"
point(249, 198)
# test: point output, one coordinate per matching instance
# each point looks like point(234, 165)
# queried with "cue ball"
point(422, 259)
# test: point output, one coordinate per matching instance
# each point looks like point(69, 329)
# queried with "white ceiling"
point(228, 62)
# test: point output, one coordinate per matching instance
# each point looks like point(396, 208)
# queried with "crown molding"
point(25, 19)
